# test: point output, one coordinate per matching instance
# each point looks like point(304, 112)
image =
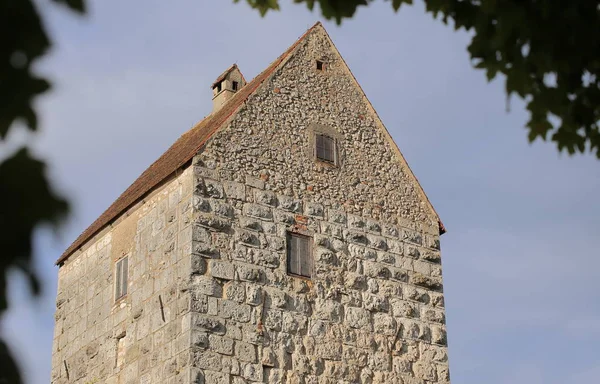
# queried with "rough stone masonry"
point(209, 298)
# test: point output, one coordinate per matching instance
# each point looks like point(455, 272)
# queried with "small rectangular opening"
point(121, 277)
point(299, 254)
point(234, 85)
point(325, 148)
point(319, 65)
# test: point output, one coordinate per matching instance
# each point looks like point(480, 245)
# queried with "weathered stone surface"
point(246, 352)
point(209, 324)
point(258, 211)
point(314, 209)
point(403, 309)
point(220, 344)
point(213, 189)
point(358, 318)
point(206, 285)
point(198, 265)
point(425, 371)
point(247, 273)
point(433, 315)
point(433, 256)
point(265, 197)
point(212, 222)
point(248, 238)
point(290, 204)
point(438, 335)
point(234, 190)
point(235, 311)
point(221, 270)
point(425, 281)
point(384, 324)
point(236, 291)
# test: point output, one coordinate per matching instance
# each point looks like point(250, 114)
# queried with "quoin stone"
point(283, 239)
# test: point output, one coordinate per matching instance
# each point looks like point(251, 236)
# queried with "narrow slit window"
point(121, 274)
point(299, 260)
point(325, 149)
point(320, 65)
point(234, 85)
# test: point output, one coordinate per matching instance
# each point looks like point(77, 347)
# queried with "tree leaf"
point(75, 5)
point(9, 370)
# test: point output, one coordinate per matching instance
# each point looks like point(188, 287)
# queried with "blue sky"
point(520, 257)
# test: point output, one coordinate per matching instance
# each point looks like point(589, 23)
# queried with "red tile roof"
point(178, 155)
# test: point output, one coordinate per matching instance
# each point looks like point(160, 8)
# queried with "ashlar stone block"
point(314, 210)
point(265, 197)
point(206, 285)
point(222, 270)
point(258, 211)
point(234, 190)
point(384, 324)
point(235, 291)
point(358, 318)
point(289, 204)
point(220, 344)
point(245, 352)
point(213, 189)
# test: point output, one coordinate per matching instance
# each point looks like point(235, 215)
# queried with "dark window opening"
point(299, 252)
point(218, 87)
point(121, 274)
point(325, 149)
point(320, 65)
point(234, 85)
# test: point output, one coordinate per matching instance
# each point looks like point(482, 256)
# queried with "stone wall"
point(133, 340)
point(209, 298)
point(373, 310)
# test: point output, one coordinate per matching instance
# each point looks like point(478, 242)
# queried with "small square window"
point(299, 255)
point(234, 85)
point(121, 277)
point(320, 65)
point(325, 148)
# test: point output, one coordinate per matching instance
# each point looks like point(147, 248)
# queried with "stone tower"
point(283, 239)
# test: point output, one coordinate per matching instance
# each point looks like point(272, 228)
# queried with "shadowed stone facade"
point(98, 340)
point(209, 297)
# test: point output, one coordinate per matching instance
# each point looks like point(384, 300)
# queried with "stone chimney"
point(226, 86)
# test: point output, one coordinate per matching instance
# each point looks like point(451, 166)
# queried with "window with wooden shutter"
point(299, 260)
point(121, 274)
point(325, 148)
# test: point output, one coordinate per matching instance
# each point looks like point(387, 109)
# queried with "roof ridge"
point(180, 153)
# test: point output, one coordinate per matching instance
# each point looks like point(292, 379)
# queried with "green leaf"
point(9, 370)
point(28, 41)
point(29, 202)
point(75, 5)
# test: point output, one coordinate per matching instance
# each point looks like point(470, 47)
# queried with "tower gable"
point(314, 231)
point(313, 93)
